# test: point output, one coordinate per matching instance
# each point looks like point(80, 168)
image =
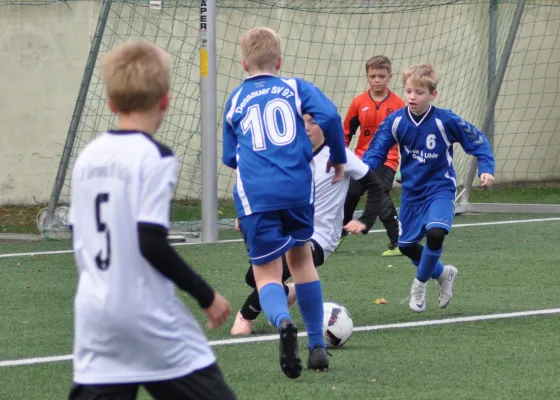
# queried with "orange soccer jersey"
point(368, 114)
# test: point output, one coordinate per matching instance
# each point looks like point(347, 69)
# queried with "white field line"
point(508, 222)
point(268, 338)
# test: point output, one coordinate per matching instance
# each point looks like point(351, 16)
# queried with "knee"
point(435, 238)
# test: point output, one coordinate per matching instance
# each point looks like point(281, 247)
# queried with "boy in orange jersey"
point(366, 112)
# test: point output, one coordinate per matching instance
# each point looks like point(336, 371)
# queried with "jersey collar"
point(426, 116)
point(260, 76)
point(125, 132)
point(319, 149)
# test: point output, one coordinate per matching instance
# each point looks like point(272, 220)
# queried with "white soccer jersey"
point(129, 325)
point(329, 198)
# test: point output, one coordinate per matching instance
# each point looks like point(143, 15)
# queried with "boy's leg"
point(299, 223)
point(267, 241)
point(251, 309)
point(205, 384)
point(438, 224)
point(411, 231)
point(439, 215)
point(104, 392)
point(355, 192)
point(388, 213)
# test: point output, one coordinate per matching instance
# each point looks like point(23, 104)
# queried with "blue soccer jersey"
point(264, 139)
point(426, 148)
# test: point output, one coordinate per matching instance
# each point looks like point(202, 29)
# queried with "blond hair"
point(378, 62)
point(261, 48)
point(137, 75)
point(421, 75)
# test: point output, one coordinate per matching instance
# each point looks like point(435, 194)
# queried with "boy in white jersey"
point(130, 329)
point(328, 218)
point(425, 135)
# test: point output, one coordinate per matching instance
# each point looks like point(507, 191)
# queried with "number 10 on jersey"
point(277, 122)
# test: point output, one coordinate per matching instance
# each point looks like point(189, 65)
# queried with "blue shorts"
point(416, 219)
point(270, 234)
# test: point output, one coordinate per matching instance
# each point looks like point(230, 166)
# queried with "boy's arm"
point(379, 147)
point(325, 114)
point(351, 122)
point(229, 140)
point(153, 224)
point(372, 184)
point(474, 142)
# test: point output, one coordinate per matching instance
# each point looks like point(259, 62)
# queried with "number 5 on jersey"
point(274, 111)
point(102, 263)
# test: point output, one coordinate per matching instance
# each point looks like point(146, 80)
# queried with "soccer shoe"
point(417, 296)
point(318, 359)
point(241, 326)
point(289, 351)
point(393, 251)
point(445, 284)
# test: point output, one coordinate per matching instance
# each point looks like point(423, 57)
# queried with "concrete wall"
point(43, 52)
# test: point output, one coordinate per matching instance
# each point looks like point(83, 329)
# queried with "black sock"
point(252, 307)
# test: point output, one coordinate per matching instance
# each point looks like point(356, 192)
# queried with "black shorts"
point(204, 384)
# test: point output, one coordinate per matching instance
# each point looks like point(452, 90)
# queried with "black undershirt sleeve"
point(156, 249)
point(372, 184)
point(354, 125)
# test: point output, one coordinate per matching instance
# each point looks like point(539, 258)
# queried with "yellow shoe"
point(241, 326)
point(392, 252)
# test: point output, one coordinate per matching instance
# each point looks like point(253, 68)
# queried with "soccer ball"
point(337, 325)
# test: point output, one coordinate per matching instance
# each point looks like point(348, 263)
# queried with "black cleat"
point(318, 359)
point(289, 350)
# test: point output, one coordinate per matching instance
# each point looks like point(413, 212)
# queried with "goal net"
point(328, 42)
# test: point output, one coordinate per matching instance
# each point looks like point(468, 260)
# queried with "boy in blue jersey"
point(265, 140)
point(426, 135)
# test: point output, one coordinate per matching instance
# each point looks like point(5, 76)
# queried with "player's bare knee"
point(435, 238)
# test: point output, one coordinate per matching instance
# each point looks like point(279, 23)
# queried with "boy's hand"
point(355, 226)
point(218, 312)
point(486, 180)
point(338, 171)
point(237, 225)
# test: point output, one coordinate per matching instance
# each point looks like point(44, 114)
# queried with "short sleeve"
point(157, 188)
point(354, 168)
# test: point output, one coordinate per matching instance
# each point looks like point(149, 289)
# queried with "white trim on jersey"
point(293, 84)
point(423, 118)
point(447, 154)
point(241, 190)
point(230, 112)
point(394, 128)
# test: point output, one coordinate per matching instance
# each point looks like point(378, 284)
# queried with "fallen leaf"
point(373, 380)
point(380, 301)
point(27, 286)
point(389, 266)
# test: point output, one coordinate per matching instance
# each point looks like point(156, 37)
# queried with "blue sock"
point(428, 263)
point(310, 300)
point(274, 304)
point(436, 273)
